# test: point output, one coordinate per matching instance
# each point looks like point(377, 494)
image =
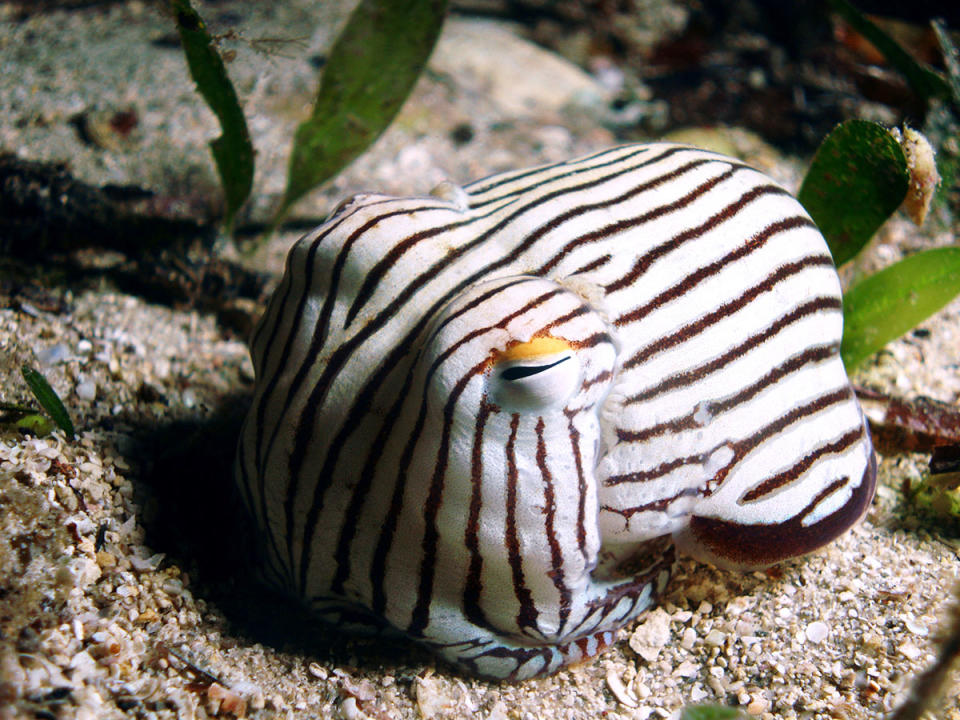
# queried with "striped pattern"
point(484, 417)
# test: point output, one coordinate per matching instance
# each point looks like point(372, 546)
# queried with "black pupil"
point(518, 372)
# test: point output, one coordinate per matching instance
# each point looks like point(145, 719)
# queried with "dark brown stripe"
point(740, 448)
point(317, 341)
point(600, 608)
point(700, 372)
point(707, 271)
point(556, 553)
point(378, 566)
point(428, 546)
point(812, 355)
point(354, 510)
point(643, 263)
point(642, 476)
point(598, 379)
point(527, 616)
point(521, 656)
point(654, 506)
point(729, 308)
point(578, 165)
point(477, 301)
point(813, 407)
point(627, 223)
point(791, 474)
point(581, 488)
point(375, 275)
point(263, 529)
point(506, 320)
point(473, 587)
point(593, 265)
point(270, 384)
point(590, 341)
point(304, 269)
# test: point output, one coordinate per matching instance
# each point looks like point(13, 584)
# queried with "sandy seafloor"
point(119, 628)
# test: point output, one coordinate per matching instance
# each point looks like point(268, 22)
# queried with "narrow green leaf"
point(885, 305)
point(924, 81)
point(233, 150)
point(857, 179)
point(710, 712)
point(48, 399)
point(370, 71)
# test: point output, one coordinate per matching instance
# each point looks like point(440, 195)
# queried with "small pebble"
point(54, 354)
point(910, 651)
point(716, 638)
point(87, 390)
point(817, 632)
point(173, 586)
point(738, 605)
point(82, 524)
point(758, 705)
point(498, 711)
point(29, 309)
point(651, 636)
point(147, 616)
point(349, 710)
point(916, 628)
point(226, 700)
point(619, 690)
point(432, 697)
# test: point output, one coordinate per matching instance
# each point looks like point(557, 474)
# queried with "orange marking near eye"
point(538, 347)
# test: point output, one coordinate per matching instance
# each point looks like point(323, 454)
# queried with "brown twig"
point(916, 425)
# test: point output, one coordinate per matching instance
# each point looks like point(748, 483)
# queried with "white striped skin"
point(404, 466)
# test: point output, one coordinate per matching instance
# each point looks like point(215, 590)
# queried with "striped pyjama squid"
point(487, 416)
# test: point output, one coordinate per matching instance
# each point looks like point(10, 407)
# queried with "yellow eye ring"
point(536, 375)
point(538, 347)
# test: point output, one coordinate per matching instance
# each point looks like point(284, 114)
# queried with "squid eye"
point(535, 376)
point(518, 372)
